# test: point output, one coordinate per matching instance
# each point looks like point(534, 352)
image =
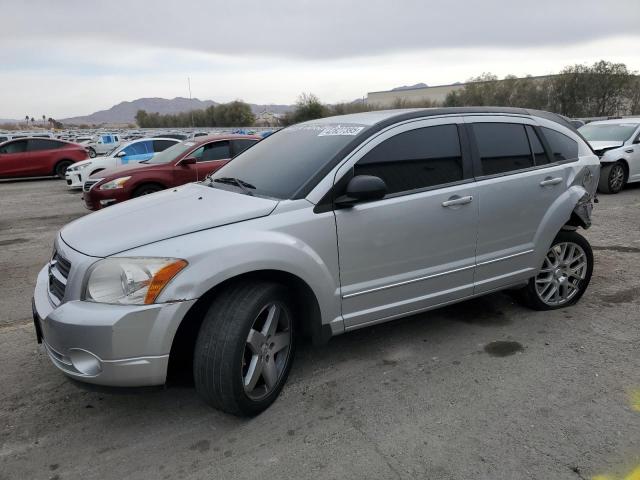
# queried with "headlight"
point(113, 184)
point(130, 281)
point(80, 167)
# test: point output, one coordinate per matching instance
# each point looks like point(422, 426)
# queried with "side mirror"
point(362, 188)
point(187, 161)
point(121, 154)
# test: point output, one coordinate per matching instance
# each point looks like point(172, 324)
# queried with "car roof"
point(378, 117)
point(221, 136)
point(615, 121)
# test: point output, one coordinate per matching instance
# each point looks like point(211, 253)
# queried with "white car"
point(102, 144)
point(617, 143)
point(132, 152)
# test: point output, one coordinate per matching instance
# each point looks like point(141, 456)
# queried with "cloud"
point(326, 29)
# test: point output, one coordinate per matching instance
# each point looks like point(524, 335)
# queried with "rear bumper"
point(113, 345)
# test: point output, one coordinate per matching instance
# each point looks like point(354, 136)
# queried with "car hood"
point(128, 169)
point(166, 214)
point(605, 144)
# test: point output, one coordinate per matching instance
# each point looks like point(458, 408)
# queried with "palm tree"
point(26, 117)
point(44, 120)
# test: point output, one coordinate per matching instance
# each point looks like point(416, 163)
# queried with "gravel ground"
point(482, 390)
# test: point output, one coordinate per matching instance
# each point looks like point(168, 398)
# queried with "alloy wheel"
point(616, 178)
point(266, 351)
point(564, 268)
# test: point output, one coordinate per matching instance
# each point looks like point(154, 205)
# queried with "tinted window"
point(536, 147)
point(161, 145)
point(3, 139)
point(14, 147)
point(215, 151)
point(503, 147)
point(241, 145)
point(283, 163)
point(38, 144)
point(562, 147)
point(420, 158)
point(138, 148)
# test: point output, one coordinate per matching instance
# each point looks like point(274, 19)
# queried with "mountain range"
point(125, 112)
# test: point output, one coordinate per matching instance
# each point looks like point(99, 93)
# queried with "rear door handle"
point(456, 200)
point(550, 181)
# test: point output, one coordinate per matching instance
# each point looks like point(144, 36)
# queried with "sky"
point(65, 58)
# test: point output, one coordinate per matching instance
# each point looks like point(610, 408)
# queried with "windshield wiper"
point(244, 186)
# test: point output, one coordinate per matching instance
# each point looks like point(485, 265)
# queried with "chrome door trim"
point(407, 282)
point(487, 262)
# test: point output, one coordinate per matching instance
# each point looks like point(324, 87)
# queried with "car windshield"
point(281, 164)
point(608, 132)
point(172, 152)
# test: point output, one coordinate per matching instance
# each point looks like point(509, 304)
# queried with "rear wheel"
point(147, 189)
point(61, 168)
point(245, 348)
point(564, 276)
point(612, 178)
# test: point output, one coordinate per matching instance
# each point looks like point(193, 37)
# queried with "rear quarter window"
point(562, 147)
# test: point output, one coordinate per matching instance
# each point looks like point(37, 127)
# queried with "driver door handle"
point(550, 181)
point(456, 200)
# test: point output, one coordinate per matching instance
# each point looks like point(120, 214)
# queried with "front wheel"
point(612, 178)
point(245, 348)
point(61, 168)
point(146, 190)
point(564, 276)
point(91, 152)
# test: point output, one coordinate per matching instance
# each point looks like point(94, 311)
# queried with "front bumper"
point(74, 179)
point(113, 345)
point(96, 199)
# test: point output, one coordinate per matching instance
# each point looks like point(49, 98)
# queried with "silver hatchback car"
point(322, 228)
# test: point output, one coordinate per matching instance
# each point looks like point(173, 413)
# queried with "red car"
point(185, 162)
point(38, 157)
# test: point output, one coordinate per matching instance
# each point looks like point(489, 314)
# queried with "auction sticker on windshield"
point(340, 130)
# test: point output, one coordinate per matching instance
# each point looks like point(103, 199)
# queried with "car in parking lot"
point(35, 157)
point(617, 143)
point(189, 161)
point(321, 228)
point(101, 144)
point(131, 152)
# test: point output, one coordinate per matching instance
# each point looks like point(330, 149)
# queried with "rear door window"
point(239, 146)
point(215, 151)
point(19, 146)
point(562, 147)
point(539, 154)
point(162, 145)
point(417, 159)
point(37, 144)
point(502, 147)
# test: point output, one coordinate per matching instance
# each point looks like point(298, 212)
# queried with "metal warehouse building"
point(438, 93)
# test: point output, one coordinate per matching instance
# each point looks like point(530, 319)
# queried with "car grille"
point(88, 184)
point(59, 268)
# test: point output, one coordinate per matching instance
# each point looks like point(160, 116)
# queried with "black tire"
point(147, 189)
point(220, 355)
point(529, 294)
point(610, 177)
point(61, 168)
point(92, 153)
